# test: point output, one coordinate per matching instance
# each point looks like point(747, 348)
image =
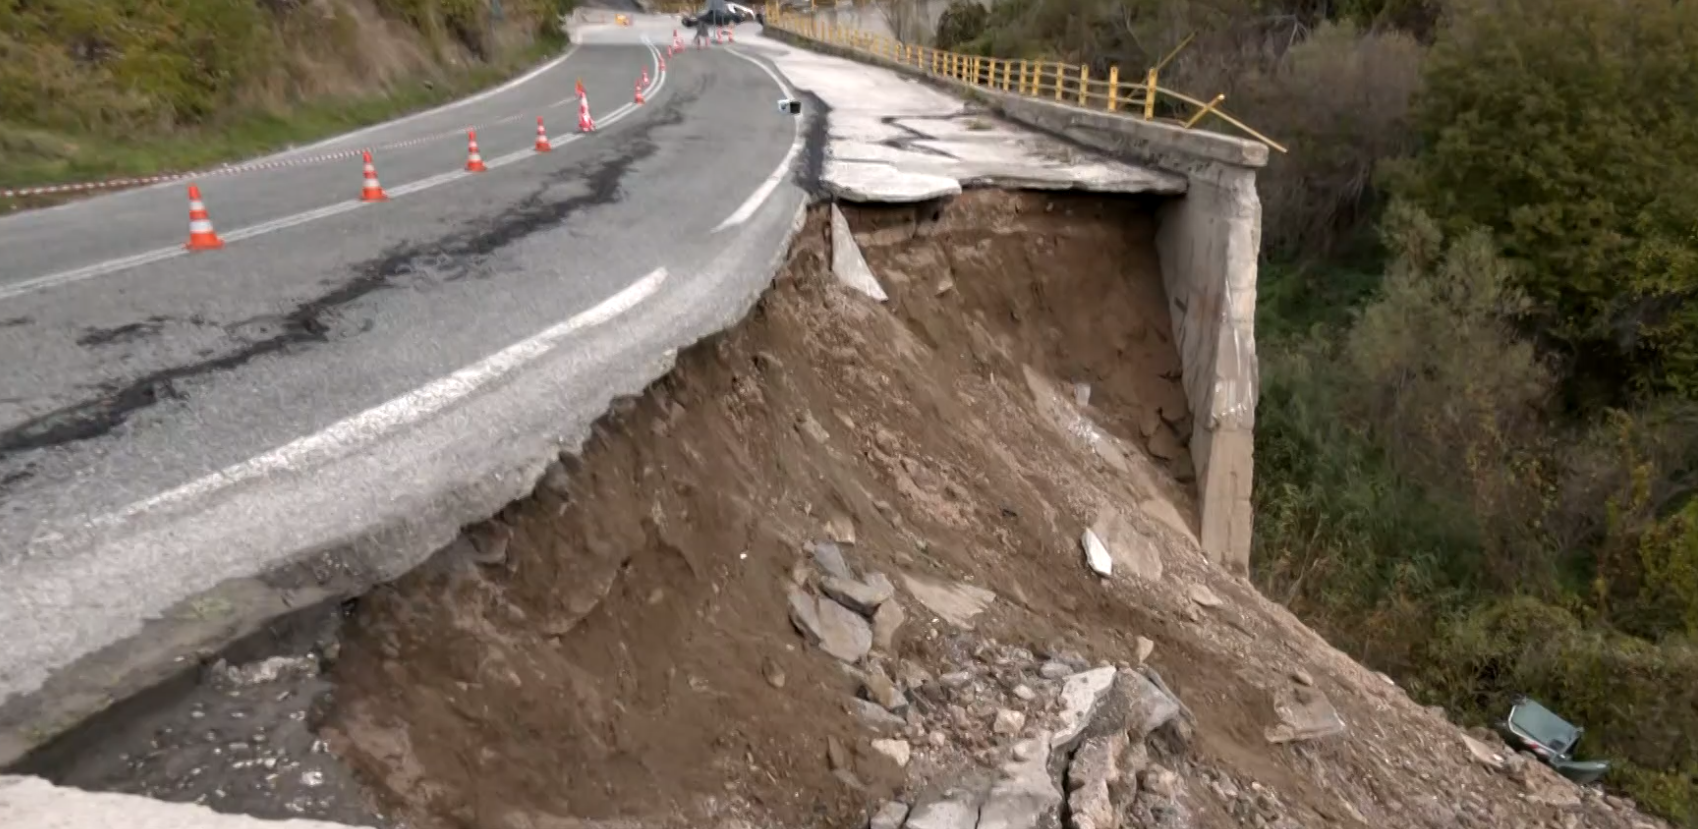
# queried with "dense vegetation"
point(93, 88)
point(1477, 439)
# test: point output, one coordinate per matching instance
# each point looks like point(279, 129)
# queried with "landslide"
point(90, 90)
point(908, 483)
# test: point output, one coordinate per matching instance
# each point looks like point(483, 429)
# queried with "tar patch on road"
point(313, 322)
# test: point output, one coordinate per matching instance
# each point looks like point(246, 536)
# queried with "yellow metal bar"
point(1208, 108)
point(1022, 76)
point(1007, 66)
point(1150, 94)
point(1084, 85)
point(1059, 76)
point(1162, 64)
point(1113, 88)
point(978, 65)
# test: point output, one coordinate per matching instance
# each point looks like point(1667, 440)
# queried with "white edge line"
point(111, 266)
point(367, 426)
point(764, 191)
point(488, 93)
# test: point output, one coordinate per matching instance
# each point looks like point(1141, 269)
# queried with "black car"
point(729, 17)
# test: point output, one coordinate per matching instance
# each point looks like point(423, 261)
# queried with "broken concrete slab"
point(884, 183)
point(848, 264)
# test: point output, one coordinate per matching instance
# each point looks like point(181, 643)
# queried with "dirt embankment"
point(832, 567)
point(834, 559)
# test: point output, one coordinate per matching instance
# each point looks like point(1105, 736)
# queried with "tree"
point(1566, 127)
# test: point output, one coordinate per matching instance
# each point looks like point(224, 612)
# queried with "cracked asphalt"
point(117, 387)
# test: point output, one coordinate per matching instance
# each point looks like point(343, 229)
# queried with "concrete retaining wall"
point(1209, 241)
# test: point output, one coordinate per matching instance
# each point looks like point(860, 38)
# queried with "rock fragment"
point(863, 596)
point(1304, 714)
point(1205, 597)
point(886, 622)
point(1025, 797)
point(1008, 722)
point(829, 558)
point(1093, 770)
point(898, 751)
point(953, 602)
point(960, 810)
point(889, 816)
point(837, 630)
point(1079, 697)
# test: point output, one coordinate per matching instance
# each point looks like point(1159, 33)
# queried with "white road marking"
point(367, 426)
point(776, 177)
point(111, 266)
point(516, 82)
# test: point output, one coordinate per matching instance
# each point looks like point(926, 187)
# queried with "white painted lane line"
point(512, 84)
point(777, 176)
point(112, 266)
point(368, 426)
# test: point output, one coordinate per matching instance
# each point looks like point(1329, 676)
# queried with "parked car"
point(732, 16)
point(1533, 727)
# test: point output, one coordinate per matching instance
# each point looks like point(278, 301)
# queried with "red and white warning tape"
point(228, 169)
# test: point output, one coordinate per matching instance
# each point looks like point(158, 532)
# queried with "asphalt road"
point(350, 378)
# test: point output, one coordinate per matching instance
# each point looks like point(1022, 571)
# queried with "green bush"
point(1638, 701)
point(962, 22)
point(1566, 126)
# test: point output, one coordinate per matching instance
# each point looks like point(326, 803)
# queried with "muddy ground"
point(833, 562)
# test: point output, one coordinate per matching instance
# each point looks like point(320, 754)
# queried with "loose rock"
point(889, 816)
point(886, 622)
point(837, 630)
point(957, 811)
point(864, 597)
point(1202, 595)
point(1025, 797)
point(882, 690)
point(1079, 697)
point(952, 602)
point(1008, 722)
point(829, 558)
point(1089, 775)
point(897, 750)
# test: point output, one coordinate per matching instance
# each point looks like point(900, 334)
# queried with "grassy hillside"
point(97, 88)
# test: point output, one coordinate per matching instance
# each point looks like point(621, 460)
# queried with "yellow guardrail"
point(1062, 82)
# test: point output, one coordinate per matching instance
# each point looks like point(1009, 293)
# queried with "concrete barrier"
point(1209, 241)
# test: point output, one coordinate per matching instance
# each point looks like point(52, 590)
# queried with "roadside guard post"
point(789, 106)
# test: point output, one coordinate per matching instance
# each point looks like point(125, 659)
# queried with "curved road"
point(348, 378)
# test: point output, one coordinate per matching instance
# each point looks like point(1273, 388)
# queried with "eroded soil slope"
point(834, 560)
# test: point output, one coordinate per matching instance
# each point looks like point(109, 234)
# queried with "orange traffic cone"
point(474, 161)
point(643, 79)
point(542, 138)
point(372, 191)
point(718, 36)
point(731, 34)
point(662, 63)
point(201, 234)
point(585, 122)
point(639, 98)
point(677, 42)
